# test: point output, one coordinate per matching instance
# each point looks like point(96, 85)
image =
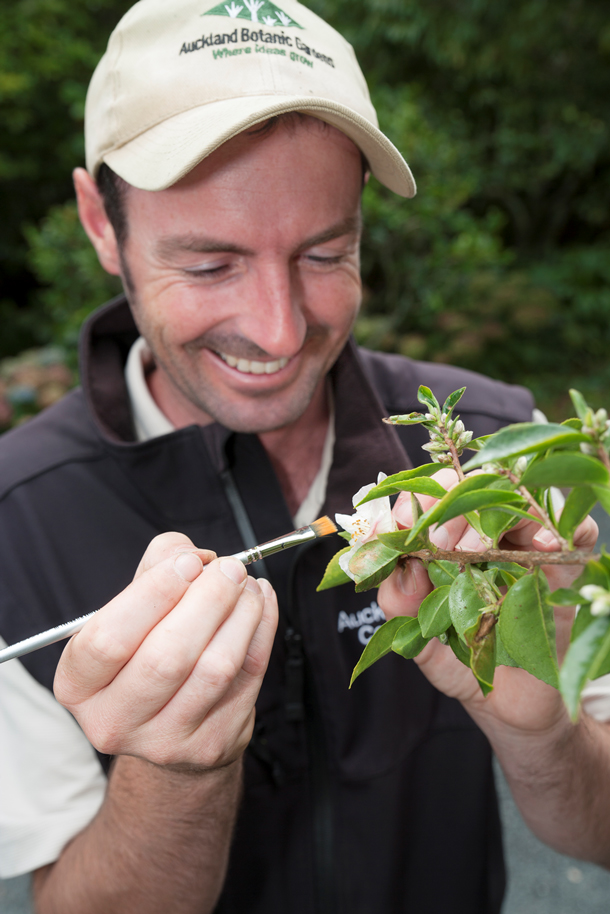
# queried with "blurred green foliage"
point(502, 261)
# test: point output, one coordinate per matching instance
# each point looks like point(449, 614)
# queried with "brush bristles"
point(323, 526)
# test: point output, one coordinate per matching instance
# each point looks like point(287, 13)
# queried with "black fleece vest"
point(378, 799)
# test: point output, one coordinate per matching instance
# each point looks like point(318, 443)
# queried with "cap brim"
point(160, 156)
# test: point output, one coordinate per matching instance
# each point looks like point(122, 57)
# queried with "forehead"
point(276, 141)
point(299, 172)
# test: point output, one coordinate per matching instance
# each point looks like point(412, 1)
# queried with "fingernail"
point(188, 566)
point(265, 586)
point(440, 538)
point(546, 538)
point(252, 585)
point(407, 581)
point(233, 569)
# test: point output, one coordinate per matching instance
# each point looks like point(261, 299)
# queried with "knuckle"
point(163, 665)
point(217, 671)
point(106, 649)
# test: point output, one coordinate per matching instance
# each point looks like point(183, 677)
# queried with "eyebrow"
point(198, 244)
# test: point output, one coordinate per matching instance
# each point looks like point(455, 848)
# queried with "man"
point(226, 157)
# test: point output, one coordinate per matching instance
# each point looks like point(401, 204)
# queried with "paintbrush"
point(321, 527)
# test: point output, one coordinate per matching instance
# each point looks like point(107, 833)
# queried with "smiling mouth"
point(246, 366)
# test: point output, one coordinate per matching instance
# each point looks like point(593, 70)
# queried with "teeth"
point(248, 367)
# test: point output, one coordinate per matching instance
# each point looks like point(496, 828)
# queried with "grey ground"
point(539, 880)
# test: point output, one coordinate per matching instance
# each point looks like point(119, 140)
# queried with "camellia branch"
point(527, 559)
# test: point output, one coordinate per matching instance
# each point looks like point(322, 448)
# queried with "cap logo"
point(261, 11)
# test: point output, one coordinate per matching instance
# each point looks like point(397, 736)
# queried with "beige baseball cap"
point(181, 77)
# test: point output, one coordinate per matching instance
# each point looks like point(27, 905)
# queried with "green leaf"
point(477, 443)
point(580, 404)
point(586, 656)
point(495, 523)
point(408, 640)
point(603, 496)
point(433, 514)
point(425, 396)
point(465, 600)
point(509, 571)
point(570, 468)
point(419, 484)
point(565, 596)
point(524, 438)
point(458, 647)
point(578, 505)
point(334, 574)
point(527, 627)
point(582, 620)
point(481, 639)
point(483, 498)
point(442, 572)
point(452, 400)
point(378, 646)
point(372, 563)
point(406, 419)
point(594, 572)
point(433, 615)
point(394, 540)
point(503, 658)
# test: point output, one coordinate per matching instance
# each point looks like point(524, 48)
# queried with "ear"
point(95, 221)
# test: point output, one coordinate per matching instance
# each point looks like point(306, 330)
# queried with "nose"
point(274, 318)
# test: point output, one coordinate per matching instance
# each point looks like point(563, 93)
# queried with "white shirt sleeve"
point(51, 782)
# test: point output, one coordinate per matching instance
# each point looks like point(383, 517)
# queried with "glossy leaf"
point(334, 574)
point(442, 572)
point(395, 483)
point(378, 646)
point(594, 572)
point(503, 658)
point(425, 396)
point(372, 563)
point(458, 647)
point(465, 600)
point(524, 438)
point(408, 640)
point(509, 571)
point(433, 615)
point(580, 404)
point(433, 514)
point(406, 419)
point(395, 540)
point(565, 596)
point(481, 639)
point(603, 496)
point(578, 505)
point(565, 469)
point(477, 443)
point(582, 620)
point(483, 498)
point(495, 523)
point(527, 627)
point(587, 656)
point(452, 400)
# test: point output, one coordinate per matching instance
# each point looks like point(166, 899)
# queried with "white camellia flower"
point(599, 597)
point(369, 520)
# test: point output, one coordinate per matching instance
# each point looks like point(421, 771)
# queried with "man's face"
point(246, 275)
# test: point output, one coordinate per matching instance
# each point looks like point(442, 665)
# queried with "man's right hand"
point(170, 669)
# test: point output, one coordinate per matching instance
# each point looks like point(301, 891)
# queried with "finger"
point(95, 656)
point(220, 671)
point(166, 545)
point(402, 593)
point(172, 650)
point(402, 508)
point(586, 534)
